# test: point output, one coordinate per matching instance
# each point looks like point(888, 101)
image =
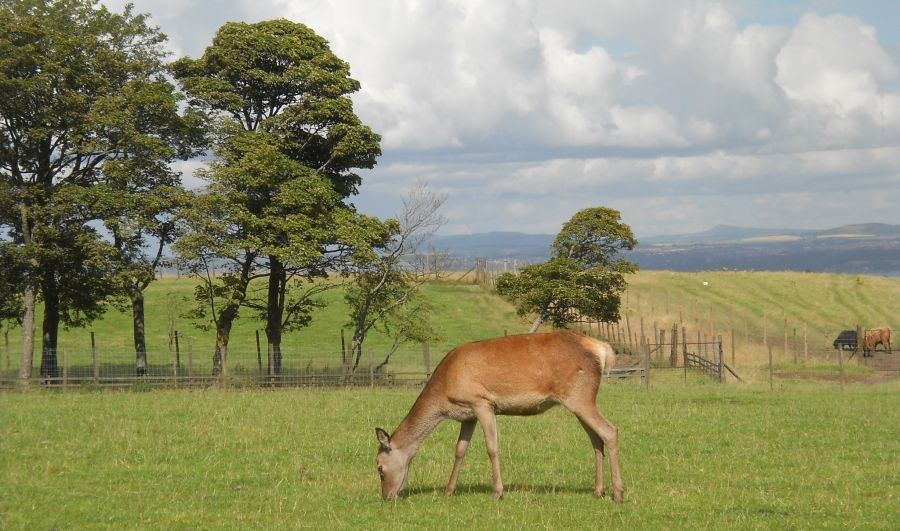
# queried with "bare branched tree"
point(384, 284)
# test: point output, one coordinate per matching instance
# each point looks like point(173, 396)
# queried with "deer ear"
point(383, 439)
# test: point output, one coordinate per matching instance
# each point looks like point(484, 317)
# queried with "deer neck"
point(416, 426)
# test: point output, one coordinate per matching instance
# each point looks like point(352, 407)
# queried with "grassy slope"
point(703, 456)
point(462, 312)
point(826, 301)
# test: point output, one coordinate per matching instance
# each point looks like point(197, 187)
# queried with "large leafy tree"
point(140, 194)
point(64, 65)
point(261, 204)
point(288, 145)
point(584, 276)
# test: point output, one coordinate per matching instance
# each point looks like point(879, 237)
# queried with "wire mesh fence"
point(185, 365)
point(295, 366)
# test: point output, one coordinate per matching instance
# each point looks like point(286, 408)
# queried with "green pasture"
point(749, 303)
point(706, 456)
point(461, 312)
point(826, 302)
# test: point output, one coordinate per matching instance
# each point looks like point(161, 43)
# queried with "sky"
point(681, 114)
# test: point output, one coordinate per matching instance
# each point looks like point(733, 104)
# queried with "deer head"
point(392, 464)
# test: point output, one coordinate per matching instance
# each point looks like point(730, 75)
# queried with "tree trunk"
point(275, 309)
point(223, 334)
point(140, 343)
point(50, 328)
point(539, 319)
point(30, 301)
point(27, 336)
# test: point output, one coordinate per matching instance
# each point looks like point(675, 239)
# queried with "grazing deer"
point(516, 375)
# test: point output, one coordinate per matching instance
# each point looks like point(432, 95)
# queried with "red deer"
point(875, 337)
point(516, 375)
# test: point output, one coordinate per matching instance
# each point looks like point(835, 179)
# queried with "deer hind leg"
point(587, 413)
point(465, 435)
point(597, 443)
point(488, 420)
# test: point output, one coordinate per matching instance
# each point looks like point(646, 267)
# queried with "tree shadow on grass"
point(462, 489)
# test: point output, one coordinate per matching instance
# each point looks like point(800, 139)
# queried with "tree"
point(64, 65)
point(261, 203)
point(386, 284)
point(140, 193)
point(141, 225)
point(288, 142)
point(584, 276)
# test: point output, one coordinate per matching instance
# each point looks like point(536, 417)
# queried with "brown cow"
point(875, 337)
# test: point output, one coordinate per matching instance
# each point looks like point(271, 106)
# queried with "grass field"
point(750, 303)
point(462, 312)
point(828, 302)
point(704, 456)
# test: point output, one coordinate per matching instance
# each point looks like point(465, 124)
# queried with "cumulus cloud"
point(682, 113)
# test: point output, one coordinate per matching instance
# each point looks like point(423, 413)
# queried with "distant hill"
point(717, 234)
point(869, 248)
point(863, 230)
point(497, 245)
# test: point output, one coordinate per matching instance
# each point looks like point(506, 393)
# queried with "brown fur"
point(875, 337)
point(516, 375)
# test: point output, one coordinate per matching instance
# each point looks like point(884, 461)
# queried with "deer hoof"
point(618, 496)
point(498, 494)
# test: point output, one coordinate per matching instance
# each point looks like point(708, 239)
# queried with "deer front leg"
point(485, 414)
point(465, 435)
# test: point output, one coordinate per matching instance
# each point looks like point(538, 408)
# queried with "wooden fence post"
point(426, 358)
point(673, 355)
point(258, 353)
point(645, 348)
point(721, 362)
point(65, 356)
point(684, 350)
point(628, 330)
point(765, 329)
point(771, 385)
point(805, 342)
point(860, 343)
point(177, 354)
point(659, 344)
point(343, 352)
point(175, 363)
point(96, 357)
point(270, 354)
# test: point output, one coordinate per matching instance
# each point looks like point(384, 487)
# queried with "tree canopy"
point(288, 144)
point(584, 276)
point(84, 103)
